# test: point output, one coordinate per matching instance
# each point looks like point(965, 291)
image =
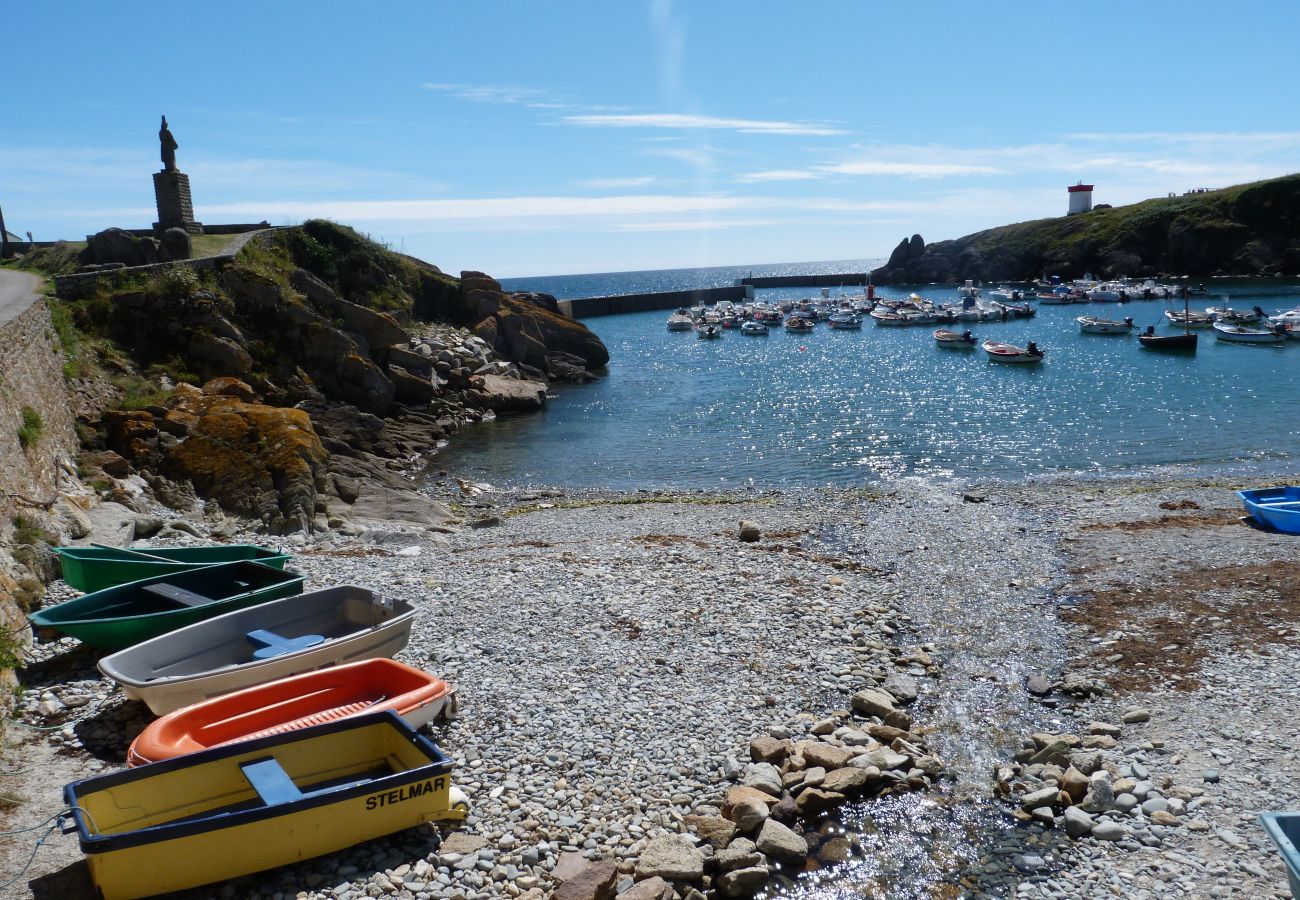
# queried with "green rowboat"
point(96, 567)
point(121, 616)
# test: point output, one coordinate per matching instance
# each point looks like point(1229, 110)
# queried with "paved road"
point(18, 290)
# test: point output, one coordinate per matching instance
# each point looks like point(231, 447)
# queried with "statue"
point(169, 146)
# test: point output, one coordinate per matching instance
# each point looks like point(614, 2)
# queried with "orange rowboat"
point(312, 698)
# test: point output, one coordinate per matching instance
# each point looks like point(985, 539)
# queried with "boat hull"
point(1284, 829)
point(295, 703)
point(210, 816)
point(216, 657)
point(1008, 353)
point(118, 617)
point(1278, 508)
point(1169, 343)
point(1239, 335)
point(92, 569)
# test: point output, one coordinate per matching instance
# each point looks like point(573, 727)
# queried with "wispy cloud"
point(908, 169)
point(778, 175)
point(671, 36)
point(504, 94)
point(703, 224)
point(682, 121)
point(610, 183)
point(702, 158)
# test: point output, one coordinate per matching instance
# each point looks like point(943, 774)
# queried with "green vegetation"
point(61, 259)
point(32, 428)
point(209, 244)
point(29, 531)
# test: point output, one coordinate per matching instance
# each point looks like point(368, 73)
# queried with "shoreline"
point(653, 639)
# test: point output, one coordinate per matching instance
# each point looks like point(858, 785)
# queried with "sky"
point(523, 138)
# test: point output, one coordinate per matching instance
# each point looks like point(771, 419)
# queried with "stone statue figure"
point(169, 146)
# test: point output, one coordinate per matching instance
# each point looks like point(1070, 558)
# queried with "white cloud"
point(504, 94)
point(699, 157)
point(908, 169)
point(778, 175)
point(606, 183)
point(695, 224)
point(683, 121)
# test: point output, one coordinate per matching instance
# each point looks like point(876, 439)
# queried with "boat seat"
point(272, 783)
point(176, 594)
point(1283, 504)
point(273, 645)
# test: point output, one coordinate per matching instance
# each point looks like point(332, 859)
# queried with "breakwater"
point(587, 307)
point(832, 279)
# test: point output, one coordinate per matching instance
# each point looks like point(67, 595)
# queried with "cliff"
point(1251, 229)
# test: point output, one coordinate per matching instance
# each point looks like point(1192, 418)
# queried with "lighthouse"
point(1080, 198)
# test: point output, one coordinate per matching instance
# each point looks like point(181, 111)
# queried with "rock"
point(749, 531)
point(1085, 761)
point(1163, 817)
point(650, 889)
point(1135, 715)
point(410, 389)
point(873, 702)
point(1210, 776)
point(835, 851)
point(1104, 728)
point(460, 842)
point(595, 881)
point(749, 814)
point(1074, 783)
point(779, 842)
point(569, 864)
point(827, 756)
point(764, 777)
point(507, 395)
point(714, 829)
point(739, 854)
point(111, 524)
point(785, 810)
point(1124, 802)
point(1056, 753)
point(885, 759)
point(1154, 805)
point(813, 802)
point(1077, 822)
point(743, 882)
point(769, 750)
point(176, 243)
point(227, 386)
point(850, 780)
point(901, 687)
point(216, 353)
point(1100, 796)
point(1038, 685)
point(1042, 797)
point(672, 857)
point(70, 520)
point(741, 793)
point(1107, 830)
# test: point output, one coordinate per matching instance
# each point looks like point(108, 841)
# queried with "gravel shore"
point(615, 654)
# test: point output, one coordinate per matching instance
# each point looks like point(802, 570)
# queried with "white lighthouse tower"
point(1080, 198)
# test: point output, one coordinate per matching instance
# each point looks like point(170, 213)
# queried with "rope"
point(53, 822)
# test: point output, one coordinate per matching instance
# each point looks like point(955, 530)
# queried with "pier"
point(587, 307)
point(838, 279)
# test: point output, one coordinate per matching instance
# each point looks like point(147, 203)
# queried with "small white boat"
point(680, 321)
point(954, 340)
point(1095, 325)
point(846, 321)
point(753, 328)
point(708, 331)
point(1243, 334)
point(1290, 317)
point(1230, 316)
point(1010, 353)
point(1188, 319)
point(258, 644)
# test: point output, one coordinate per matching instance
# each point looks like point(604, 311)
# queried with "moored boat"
point(1189, 319)
point(999, 351)
point(1278, 507)
point(261, 643)
point(753, 328)
point(1244, 334)
point(297, 702)
point(798, 325)
point(254, 805)
point(708, 332)
point(680, 321)
point(1230, 316)
point(127, 614)
point(954, 340)
point(1095, 325)
point(96, 567)
point(1183, 343)
point(846, 321)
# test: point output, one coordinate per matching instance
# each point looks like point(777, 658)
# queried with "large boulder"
point(508, 395)
point(113, 245)
point(362, 383)
point(255, 460)
point(176, 243)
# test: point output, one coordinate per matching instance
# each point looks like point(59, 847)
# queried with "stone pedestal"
point(175, 209)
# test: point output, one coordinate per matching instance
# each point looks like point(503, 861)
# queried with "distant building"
point(1080, 198)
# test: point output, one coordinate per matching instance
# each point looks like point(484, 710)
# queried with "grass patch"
point(29, 531)
point(209, 244)
point(32, 428)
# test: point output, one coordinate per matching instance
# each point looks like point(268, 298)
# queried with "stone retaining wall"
point(83, 284)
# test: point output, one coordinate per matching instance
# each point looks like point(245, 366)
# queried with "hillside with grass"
point(1251, 230)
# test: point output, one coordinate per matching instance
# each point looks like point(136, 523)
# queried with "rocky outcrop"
point(1251, 229)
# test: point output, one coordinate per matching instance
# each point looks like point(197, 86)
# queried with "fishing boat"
point(1278, 507)
point(1171, 343)
point(709, 332)
point(753, 328)
point(1015, 310)
point(1230, 316)
point(1189, 319)
point(798, 325)
point(680, 321)
point(1010, 353)
point(97, 567)
point(1244, 334)
point(845, 321)
point(260, 643)
point(1284, 829)
point(120, 616)
point(290, 704)
point(1095, 325)
point(254, 805)
point(954, 340)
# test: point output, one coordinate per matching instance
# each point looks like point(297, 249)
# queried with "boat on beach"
point(1278, 507)
point(293, 703)
point(999, 351)
point(97, 567)
point(1095, 325)
point(254, 805)
point(261, 643)
point(127, 614)
point(954, 340)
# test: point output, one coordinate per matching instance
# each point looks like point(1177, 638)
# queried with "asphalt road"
point(18, 290)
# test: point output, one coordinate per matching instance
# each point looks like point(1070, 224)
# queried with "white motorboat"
point(1244, 334)
point(753, 328)
point(680, 321)
point(845, 321)
point(708, 331)
point(954, 340)
point(1095, 325)
point(1289, 317)
point(1010, 353)
point(1229, 316)
point(1188, 319)
point(259, 644)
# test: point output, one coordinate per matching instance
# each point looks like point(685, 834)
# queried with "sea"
point(845, 408)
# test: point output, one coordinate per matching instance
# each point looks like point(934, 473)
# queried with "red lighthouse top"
point(1074, 189)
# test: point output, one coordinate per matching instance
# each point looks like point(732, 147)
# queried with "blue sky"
point(530, 139)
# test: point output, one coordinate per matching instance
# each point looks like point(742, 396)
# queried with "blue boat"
point(1277, 507)
point(1284, 829)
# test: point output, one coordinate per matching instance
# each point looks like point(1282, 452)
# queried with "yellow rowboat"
point(258, 804)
